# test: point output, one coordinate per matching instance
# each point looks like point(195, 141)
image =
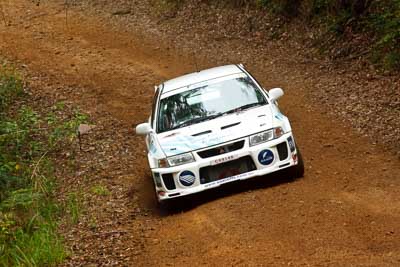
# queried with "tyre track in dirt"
point(345, 211)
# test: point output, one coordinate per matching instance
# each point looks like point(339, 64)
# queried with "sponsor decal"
point(224, 159)
point(187, 178)
point(230, 179)
point(229, 172)
point(152, 145)
point(280, 116)
point(266, 157)
point(291, 144)
point(182, 143)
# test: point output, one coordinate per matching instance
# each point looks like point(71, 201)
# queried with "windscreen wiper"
point(196, 120)
point(242, 108)
point(206, 118)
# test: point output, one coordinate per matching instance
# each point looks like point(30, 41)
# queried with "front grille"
point(221, 149)
point(231, 168)
point(169, 181)
point(282, 151)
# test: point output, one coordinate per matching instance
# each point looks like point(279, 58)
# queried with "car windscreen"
point(208, 101)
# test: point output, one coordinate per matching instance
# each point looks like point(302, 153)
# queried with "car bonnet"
point(217, 131)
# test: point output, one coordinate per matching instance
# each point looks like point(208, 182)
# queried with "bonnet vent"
point(230, 125)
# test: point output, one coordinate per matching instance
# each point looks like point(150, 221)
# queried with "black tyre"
point(163, 206)
point(297, 171)
point(159, 204)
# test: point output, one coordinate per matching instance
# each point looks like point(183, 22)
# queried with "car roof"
point(197, 77)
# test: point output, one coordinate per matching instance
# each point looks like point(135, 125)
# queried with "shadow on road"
point(187, 203)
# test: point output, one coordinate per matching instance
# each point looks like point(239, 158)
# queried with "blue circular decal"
point(266, 157)
point(187, 178)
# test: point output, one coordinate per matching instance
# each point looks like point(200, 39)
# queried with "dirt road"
point(344, 212)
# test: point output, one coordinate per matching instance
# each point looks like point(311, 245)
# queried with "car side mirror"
point(275, 93)
point(143, 129)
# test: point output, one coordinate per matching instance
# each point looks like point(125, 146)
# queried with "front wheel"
point(163, 205)
point(297, 171)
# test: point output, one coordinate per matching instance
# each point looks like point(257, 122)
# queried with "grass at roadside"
point(29, 142)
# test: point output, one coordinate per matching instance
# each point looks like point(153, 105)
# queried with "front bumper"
point(266, 158)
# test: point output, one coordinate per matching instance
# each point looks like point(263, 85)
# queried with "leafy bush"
point(10, 86)
point(28, 213)
point(379, 20)
point(384, 20)
point(288, 8)
point(74, 206)
point(100, 190)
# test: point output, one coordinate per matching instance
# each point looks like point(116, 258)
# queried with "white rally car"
point(213, 127)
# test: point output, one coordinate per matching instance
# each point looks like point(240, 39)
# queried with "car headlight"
point(163, 163)
point(278, 132)
point(266, 136)
point(180, 159)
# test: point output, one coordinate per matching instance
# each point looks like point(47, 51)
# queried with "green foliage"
point(337, 23)
point(319, 7)
point(288, 8)
point(385, 22)
point(11, 85)
point(36, 247)
point(28, 213)
point(378, 20)
point(74, 206)
point(21, 200)
point(100, 190)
